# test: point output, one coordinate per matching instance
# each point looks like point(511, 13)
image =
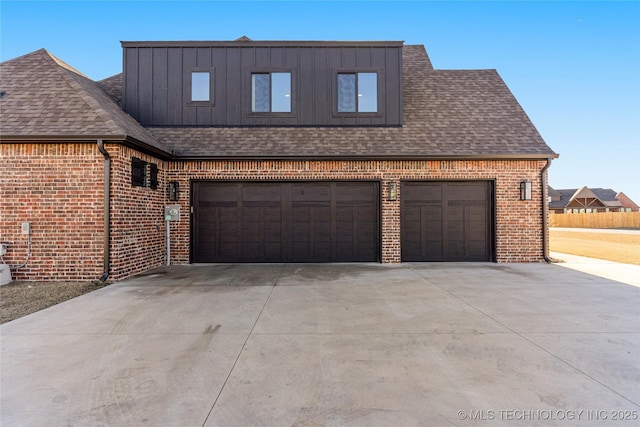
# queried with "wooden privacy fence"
point(596, 220)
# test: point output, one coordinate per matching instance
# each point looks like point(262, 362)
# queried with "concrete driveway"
point(331, 345)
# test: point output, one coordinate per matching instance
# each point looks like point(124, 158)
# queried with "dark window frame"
point(153, 176)
point(270, 71)
point(144, 174)
point(138, 172)
point(212, 80)
point(379, 90)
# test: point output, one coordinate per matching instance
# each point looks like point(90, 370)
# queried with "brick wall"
point(518, 223)
point(137, 216)
point(58, 188)
point(627, 202)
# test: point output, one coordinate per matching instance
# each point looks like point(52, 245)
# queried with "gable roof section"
point(447, 114)
point(46, 98)
point(605, 196)
point(583, 193)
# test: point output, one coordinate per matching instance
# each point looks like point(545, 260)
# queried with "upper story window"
point(271, 92)
point(201, 86)
point(357, 92)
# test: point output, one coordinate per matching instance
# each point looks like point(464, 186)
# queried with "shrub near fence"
point(596, 220)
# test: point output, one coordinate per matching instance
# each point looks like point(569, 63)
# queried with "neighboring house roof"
point(605, 196)
point(446, 114)
point(564, 197)
point(44, 98)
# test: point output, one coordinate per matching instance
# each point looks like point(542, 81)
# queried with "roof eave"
point(80, 139)
point(147, 148)
point(21, 139)
point(375, 157)
point(263, 43)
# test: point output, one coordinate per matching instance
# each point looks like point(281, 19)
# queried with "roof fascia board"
point(59, 139)
point(83, 139)
point(146, 148)
point(401, 157)
point(283, 43)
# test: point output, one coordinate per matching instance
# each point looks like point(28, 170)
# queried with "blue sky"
point(574, 66)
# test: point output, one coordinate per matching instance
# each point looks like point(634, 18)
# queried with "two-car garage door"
point(337, 221)
point(285, 221)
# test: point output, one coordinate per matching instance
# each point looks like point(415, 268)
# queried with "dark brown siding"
point(157, 83)
point(446, 221)
point(285, 221)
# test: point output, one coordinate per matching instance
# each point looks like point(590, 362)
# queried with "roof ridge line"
point(66, 66)
point(86, 97)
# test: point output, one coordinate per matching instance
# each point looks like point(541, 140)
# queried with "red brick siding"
point(58, 188)
point(518, 223)
point(137, 216)
point(627, 202)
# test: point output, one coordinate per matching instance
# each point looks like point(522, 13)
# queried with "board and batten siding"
point(157, 90)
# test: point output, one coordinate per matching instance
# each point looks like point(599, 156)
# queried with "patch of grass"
point(18, 299)
point(617, 247)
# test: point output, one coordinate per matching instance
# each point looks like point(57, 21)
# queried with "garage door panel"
point(311, 233)
point(352, 193)
point(227, 192)
point(421, 231)
point(431, 234)
point(454, 228)
point(311, 192)
point(266, 193)
point(464, 192)
point(413, 192)
point(276, 222)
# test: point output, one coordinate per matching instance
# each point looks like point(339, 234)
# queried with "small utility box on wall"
point(174, 191)
point(172, 213)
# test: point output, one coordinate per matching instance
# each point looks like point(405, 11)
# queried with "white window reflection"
point(281, 92)
point(367, 92)
point(200, 86)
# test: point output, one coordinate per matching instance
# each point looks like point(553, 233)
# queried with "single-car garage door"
point(446, 221)
point(285, 221)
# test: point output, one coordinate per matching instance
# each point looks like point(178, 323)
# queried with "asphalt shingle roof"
point(44, 97)
point(607, 196)
point(447, 113)
point(113, 86)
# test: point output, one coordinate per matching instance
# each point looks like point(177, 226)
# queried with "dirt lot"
point(617, 247)
point(18, 299)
